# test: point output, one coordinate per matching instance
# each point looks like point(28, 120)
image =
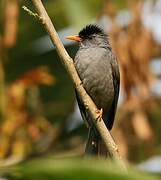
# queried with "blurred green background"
point(41, 132)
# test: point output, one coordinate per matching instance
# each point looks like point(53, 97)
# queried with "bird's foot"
point(99, 114)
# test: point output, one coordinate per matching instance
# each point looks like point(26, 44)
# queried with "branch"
point(69, 65)
point(35, 15)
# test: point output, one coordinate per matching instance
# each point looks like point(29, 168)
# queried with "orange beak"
point(74, 38)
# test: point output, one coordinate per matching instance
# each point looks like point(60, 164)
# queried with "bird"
point(98, 70)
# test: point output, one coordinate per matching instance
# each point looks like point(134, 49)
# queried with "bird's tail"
point(95, 146)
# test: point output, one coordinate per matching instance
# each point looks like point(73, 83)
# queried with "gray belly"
point(100, 89)
point(97, 80)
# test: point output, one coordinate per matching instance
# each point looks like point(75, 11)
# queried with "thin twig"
point(30, 12)
point(69, 65)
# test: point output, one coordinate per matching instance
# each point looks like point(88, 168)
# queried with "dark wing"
point(93, 133)
point(116, 84)
point(83, 111)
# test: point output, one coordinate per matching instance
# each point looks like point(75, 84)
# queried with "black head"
point(91, 30)
point(91, 35)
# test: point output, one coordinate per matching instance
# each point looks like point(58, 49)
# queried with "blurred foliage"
point(35, 116)
point(25, 129)
point(77, 169)
point(82, 11)
point(130, 141)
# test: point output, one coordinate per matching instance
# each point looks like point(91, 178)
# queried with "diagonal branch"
point(69, 65)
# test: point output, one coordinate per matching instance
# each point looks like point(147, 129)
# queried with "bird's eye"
point(90, 37)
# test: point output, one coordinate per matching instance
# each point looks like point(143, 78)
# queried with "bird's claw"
point(99, 114)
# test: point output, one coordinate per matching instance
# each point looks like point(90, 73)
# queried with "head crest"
point(90, 30)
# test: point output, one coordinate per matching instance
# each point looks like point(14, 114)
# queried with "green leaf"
point(76, 169)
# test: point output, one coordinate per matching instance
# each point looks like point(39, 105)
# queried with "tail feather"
point(95, 146)
point(92, 143)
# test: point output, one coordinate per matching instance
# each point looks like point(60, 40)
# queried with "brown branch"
point(69, 65)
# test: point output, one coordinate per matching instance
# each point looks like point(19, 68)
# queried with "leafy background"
point(35, 139)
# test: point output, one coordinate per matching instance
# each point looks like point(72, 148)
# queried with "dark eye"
point(90, 37)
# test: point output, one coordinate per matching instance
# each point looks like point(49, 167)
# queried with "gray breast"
point(94, 68)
